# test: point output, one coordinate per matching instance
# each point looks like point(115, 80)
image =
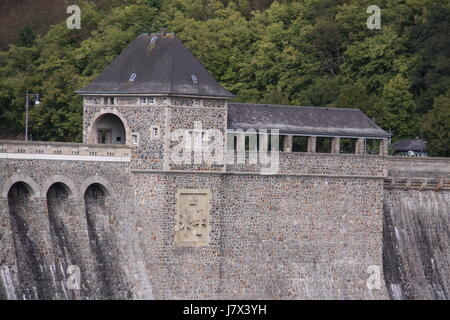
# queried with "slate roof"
point(164, 67)
point(410, 145)
point(303, 120)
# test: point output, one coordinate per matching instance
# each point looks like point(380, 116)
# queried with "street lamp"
point(27, 106)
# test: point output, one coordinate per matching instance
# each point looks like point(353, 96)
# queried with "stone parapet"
point(13, 149)
point(318, 163)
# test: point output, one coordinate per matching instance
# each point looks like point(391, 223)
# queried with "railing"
point(13, 149)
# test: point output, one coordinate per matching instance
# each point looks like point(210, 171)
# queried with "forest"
point(305, 52)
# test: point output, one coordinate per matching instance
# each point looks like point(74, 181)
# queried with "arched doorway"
point(109, 129)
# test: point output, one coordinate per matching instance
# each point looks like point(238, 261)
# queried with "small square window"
point(154, 132)
point(135, 139)
point(144, 100)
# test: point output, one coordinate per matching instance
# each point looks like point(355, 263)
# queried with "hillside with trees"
point(306, 52)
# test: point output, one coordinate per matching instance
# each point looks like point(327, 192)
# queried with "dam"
point(333, 216)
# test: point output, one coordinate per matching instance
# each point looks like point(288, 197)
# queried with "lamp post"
point(27, 106)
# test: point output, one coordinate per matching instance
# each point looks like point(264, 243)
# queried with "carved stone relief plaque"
point(192, 217)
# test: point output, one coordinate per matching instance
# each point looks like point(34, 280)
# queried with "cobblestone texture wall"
point(320, 164)
point(167, 115)
point(149, 153)
point(271, 237)
point(311, 232)
point(35, 248)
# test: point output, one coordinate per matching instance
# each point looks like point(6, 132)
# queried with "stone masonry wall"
point(271, 237)
point(115, 216)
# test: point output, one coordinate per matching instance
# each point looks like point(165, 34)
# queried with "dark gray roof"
point(165, 67)
point(410, 145)
point(303, 120)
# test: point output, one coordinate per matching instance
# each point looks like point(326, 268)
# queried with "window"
point(323, 145)
point(373, 146)
point(153, 39)
point(348, 145)
point(147, 100)
point(154, 132)
point(299, 144)
point(111, 100)
point(194, 78)
point(132, 76)
point(135, 139)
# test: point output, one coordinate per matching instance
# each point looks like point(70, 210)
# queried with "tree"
point(436, 126)
point(399, 108)
point(322, 92)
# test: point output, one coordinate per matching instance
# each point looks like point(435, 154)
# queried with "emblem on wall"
point(192, 217)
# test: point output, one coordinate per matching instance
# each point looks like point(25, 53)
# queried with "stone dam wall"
point(416, 235)
point(308, 232)
point(59, 213)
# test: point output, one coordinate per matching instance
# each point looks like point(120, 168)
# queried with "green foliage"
point(307, 52)
point(398, 108)
point(436, 126)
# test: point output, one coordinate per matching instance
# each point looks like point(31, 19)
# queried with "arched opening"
point(30, 261)
point(64, 249)
point(101, 232)
point(109, 129)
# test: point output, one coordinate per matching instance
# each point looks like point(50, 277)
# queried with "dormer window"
point(194, 78)
point(132, 76)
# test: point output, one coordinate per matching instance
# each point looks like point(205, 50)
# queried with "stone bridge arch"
point(72, 191)
point(104, 184)
point(29, 183)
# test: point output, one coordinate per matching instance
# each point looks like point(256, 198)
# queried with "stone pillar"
point(360, 146)
point(312, 144)
point(336, 145)
point(287, 144)
point(8, 267)
point(384, 145)
point(77, 231)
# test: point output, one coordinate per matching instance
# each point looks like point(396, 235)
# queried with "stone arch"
point(104, 184)
point(72, 191)
point(29, 183)
point(91, 134)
